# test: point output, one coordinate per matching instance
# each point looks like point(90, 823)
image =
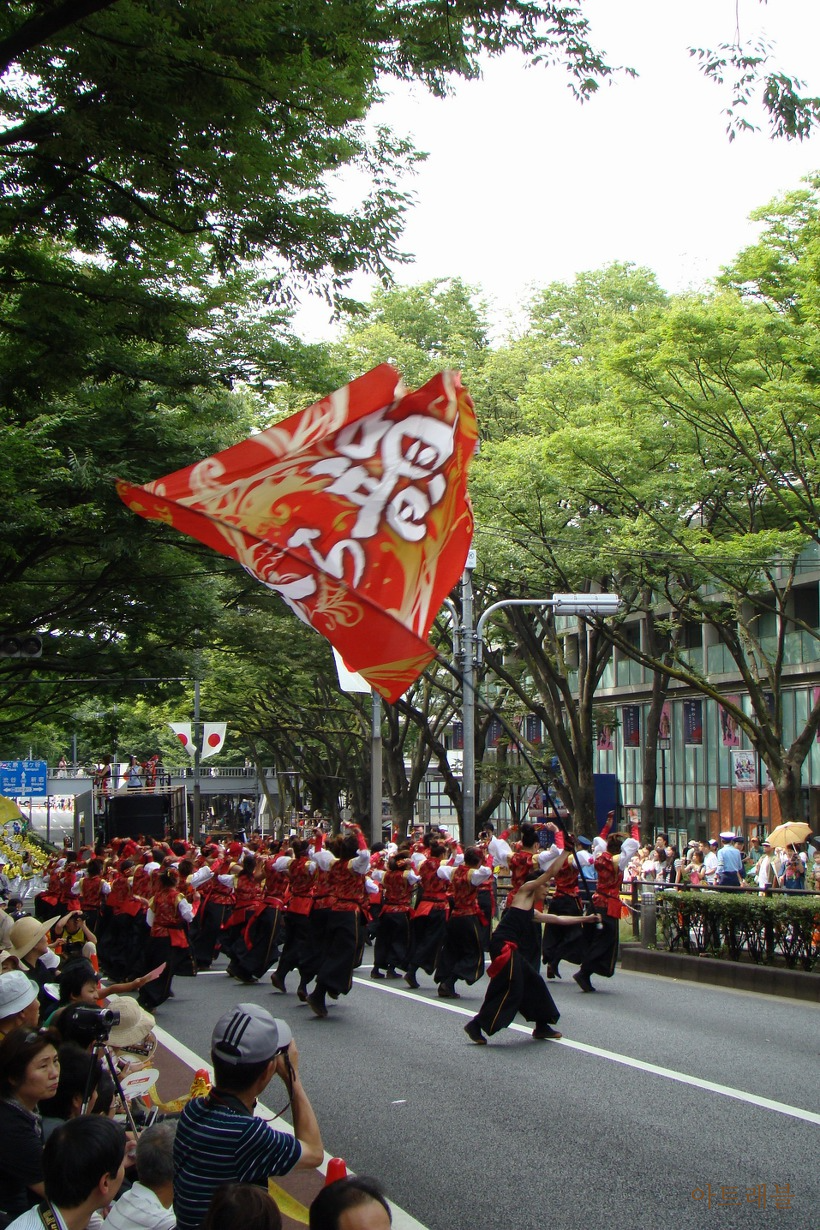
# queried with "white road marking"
point(683, 1078)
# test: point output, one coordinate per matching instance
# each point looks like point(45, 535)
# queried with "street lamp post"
point(472, 651)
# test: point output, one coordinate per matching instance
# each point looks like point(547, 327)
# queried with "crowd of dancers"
point(308, 905)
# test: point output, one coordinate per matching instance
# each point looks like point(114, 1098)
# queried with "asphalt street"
point(668, 1104)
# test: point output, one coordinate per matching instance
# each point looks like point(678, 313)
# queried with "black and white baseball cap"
point(249, 1034)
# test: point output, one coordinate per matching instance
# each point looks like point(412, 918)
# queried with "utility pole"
point(376, 769)
point(196, 819)
point(466, 639)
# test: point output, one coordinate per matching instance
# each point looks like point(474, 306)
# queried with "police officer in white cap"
point(729, 863)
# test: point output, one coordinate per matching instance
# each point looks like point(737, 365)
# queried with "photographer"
point(219, 1140)
point(78, 940)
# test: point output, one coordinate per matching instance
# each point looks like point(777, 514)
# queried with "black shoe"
point(376, 973)
point(302, 993)
point(552, 972)
point(277, 983)
point(246, 979)
point(317, 1005)
point(391, 972)
point(231, 972)
point(473, 1031)
point(446, 992)
point(412, 981)
point(583, 981)
point(545, 1032)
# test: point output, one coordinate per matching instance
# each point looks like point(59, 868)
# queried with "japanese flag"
point(183, 732)
point(213, 738)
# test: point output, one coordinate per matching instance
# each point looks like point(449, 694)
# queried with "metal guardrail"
point(184, 770)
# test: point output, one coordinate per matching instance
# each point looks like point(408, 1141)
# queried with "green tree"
point(537, 532)
point(223, 121)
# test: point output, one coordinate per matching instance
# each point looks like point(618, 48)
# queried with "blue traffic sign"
point(24, 778)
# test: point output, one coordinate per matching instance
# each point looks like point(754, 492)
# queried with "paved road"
point(669, 1104)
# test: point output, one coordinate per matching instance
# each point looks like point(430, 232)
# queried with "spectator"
point(18, 1002)
point(80, 1073)
point(650, 866)
point(242, 1206)
point(794, 873)
point(148, 1205)
point(218, 1139)
point(85, 1164)
point(29, 1071)
point(5, 884)
point(694, 868)
point(28, 941)
point(80, 983)
point(355, 1203)
point(754, 854)
point(710, 859)
point(768, 870)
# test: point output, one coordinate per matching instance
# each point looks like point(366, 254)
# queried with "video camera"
point(85, 1025)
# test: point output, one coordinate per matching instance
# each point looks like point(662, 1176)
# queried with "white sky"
point(523, 185)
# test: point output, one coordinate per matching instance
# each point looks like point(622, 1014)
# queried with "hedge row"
point(739, 927)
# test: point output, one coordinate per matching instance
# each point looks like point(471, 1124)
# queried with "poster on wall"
point(631, 719)
point(693, 723)
point(494, 732)
point(744, 769)
point(605, 741)
point(665, 726)
point(729, 730)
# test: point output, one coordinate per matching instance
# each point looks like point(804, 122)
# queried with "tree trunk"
point(787, 782)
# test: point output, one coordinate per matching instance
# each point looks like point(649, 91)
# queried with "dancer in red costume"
point(301, 871)
point(345, 936)
point(168, 916)
point(461, 956)
point(391, 950)
point(601, 950)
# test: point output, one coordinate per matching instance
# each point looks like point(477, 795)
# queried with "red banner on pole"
point(354, 510)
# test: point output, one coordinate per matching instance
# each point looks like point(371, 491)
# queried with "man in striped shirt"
point(219, 1140)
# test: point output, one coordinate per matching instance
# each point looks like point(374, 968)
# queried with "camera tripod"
point(102, 1049)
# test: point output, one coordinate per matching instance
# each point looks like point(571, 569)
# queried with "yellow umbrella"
point(790, 834)
point(9, 810)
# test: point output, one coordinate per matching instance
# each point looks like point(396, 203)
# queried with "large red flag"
point(355, 510)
